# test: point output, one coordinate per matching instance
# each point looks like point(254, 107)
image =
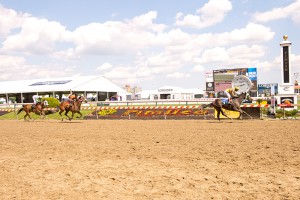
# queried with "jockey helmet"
point(236, 88)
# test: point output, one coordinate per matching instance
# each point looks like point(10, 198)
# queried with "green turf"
point(12, 115)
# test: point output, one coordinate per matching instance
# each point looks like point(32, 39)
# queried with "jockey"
point(36, 98)
point(231, 93)
point(72, 96)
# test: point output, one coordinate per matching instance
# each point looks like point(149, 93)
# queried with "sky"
point(148, 44)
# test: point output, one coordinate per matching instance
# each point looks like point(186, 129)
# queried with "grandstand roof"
point(76, 83)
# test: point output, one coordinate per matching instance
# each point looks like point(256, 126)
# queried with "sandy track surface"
point(150, 159)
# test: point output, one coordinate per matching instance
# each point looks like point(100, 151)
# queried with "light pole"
point(296, 74)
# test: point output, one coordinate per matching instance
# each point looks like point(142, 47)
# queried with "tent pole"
point(6, 98)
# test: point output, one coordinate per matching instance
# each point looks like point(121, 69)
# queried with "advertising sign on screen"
point(252, 74)
point(209, 76)
point(287, 101)
point(210, 86)
point(265, 90)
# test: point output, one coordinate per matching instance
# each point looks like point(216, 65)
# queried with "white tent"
point(94, 84)
point(80, 83)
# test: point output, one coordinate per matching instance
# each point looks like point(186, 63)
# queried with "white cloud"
point(116, 38)
point(178, 75)
point(240, 55)
point(217, 54)
point(247, 52)
point(68, 54)
point(295, 67)
point(119, 72)
point(198, 68)
point(252, 33)
point(213, 12)
point(17, 68)
point(145, 21)
point(292, 11)
point(9, 20)
point(104, 67)
point(37, 36)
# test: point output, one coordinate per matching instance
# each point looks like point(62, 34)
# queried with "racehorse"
point(38, 109)
point(74, 107)
point(234, 106)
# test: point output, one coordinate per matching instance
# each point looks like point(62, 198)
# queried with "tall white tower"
point(286, 63)
point(286, 88)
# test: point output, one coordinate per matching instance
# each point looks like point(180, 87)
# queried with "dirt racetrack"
point(150, 159)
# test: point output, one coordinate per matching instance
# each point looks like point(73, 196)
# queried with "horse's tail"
point(21, 109)
point(57, 109)
point(206, 105)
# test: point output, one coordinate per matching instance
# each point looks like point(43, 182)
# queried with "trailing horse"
point(73, 107)
point(38, 109)
point(234, 106)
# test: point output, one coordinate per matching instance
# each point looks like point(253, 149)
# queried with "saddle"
point(35, 105)
point(71, 102)
point(225, 101)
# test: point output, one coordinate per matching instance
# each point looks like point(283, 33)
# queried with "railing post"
point(97, 112)
point(15, 111)
point(128, 112)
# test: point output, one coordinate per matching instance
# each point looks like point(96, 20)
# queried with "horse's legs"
point(219, 110)
point(73, 113)
point(62, 119)
point(43, 115)
point(25, 116)
point(60, 112)
point(66, 113)
point(241, 116)
point(241, 111)
point(79, 114)
point(223, 113)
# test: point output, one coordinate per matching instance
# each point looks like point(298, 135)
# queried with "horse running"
point(68, 107)
point(37, 109)
point(234, 106)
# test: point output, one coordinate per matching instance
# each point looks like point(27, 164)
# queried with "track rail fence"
point(164, 106)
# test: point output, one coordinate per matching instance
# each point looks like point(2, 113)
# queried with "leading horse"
point(234, 106)
point(73, 107)
point(38, 109)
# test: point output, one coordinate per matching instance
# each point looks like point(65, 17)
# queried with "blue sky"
point(149, 44)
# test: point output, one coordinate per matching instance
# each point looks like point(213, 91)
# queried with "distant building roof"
point(171, 90)
point(76, 83)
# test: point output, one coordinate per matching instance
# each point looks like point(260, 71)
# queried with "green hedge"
point(288, 113)
point(53, 102)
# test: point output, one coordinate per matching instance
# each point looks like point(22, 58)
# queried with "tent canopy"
point(80, 83)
